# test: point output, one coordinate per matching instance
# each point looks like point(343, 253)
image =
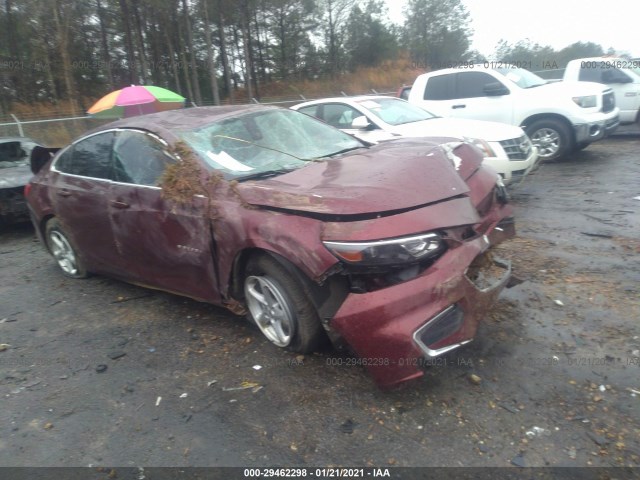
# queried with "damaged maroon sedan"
point(382, 249)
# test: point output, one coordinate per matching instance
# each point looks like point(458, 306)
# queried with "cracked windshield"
point(266, 142)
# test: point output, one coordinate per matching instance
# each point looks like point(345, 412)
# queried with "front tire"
point(278, 305)
point(552, 137)
point(62, 249)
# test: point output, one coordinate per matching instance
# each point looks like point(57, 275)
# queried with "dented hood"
point(398, 175)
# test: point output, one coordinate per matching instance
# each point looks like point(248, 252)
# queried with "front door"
point(167, 243)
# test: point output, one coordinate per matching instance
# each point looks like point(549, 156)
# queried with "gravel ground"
point(99, 372)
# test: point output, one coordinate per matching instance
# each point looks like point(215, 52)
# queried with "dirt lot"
point(99, 372)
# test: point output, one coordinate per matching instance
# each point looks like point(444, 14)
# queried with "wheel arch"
point(42, 229)
point(550, 116)
point(327, 296)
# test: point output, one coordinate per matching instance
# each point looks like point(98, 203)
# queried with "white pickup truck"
point(622, 76)
point(558, 117)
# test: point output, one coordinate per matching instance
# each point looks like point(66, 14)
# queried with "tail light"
point(27, 189)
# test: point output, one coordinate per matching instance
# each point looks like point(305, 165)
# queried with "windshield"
point(267, 141)
point(394, 111)
point(636, 71)
point(522, 78)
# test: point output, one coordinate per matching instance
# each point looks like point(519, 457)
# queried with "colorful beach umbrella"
point(136, 100)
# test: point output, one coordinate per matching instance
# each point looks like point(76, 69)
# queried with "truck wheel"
point(279, 307)
point(552, 137)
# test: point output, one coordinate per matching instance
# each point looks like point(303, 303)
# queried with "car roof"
point(350, 100)
point(163, 123)
point(476, 66)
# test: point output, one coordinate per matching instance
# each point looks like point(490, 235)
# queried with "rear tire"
point(552, 137)
point(63, 250)
point(278, 305)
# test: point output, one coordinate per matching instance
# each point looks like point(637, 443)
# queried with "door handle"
point(117, 204)
point(64, 192)
point(459, 106)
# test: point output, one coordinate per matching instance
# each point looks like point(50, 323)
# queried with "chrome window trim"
point(115, 130)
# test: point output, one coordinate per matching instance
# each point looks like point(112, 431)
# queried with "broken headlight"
point(483, 145)
point(392, 252)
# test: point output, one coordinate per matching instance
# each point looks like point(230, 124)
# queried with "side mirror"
point(360, 123)
point(495, 89)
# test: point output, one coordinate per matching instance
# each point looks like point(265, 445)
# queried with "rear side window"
point(139, 158)
point(471, 84)
point(90, 157)
point(439, 88)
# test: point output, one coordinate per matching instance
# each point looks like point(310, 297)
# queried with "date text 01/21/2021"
point(439, 361)
point(320, 473)
point(470, 65)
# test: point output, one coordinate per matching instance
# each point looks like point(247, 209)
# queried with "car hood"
point(13, 177)
point(570, 88)
point(459, 128)
point(394, 176)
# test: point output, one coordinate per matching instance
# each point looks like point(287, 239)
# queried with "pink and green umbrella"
point(136, 100)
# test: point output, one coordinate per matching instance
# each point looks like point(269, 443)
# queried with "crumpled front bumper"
point(394, 329)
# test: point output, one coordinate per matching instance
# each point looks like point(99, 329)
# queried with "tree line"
point(213, 51)
point(208, 50)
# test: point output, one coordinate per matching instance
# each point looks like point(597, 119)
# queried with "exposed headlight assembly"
point(396, 251)
point(482, 145)
point(588, 101)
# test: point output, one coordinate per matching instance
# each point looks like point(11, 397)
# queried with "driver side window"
point(340, 115)
point(139, 158)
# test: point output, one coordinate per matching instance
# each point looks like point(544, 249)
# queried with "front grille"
point(517, 148)
point(608, 102)
point(517, 174)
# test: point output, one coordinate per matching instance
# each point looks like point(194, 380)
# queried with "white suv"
point(375, 119)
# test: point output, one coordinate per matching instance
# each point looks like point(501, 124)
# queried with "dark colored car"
point(14, 175)
point(275, 214)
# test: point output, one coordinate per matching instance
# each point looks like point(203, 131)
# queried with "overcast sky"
point(557, 23)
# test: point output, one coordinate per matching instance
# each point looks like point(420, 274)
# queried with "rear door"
point(167, 244)
point(80, 192)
